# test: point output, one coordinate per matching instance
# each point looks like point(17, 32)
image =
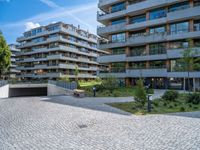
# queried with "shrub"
point(110, 83)
point(182, 109)
point(64, 78)
point(116, 94)
point(170, 95)
point(140, 93)
point(156, 103)
point(193, 98)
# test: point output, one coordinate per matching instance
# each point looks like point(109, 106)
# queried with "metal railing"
point(64, 84)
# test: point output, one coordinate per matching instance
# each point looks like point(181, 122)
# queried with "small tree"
point(4, 56)
point(189, 62)
point(110, 83)
point(140, 93)
point(76, 73)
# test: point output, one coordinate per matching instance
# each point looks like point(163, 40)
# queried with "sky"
point(18, 16)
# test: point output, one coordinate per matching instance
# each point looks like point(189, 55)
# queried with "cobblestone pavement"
point(87, 124)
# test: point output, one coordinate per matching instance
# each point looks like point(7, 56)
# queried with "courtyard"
point(65, 122)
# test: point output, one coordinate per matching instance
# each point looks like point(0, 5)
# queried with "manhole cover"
point(82, 126)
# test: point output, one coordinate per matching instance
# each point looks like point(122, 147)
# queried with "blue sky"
point(17, 16)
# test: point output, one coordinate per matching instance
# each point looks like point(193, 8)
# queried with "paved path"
point(66, 123)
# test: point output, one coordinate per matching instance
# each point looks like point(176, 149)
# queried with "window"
point(138, 51)
point(158, 13)
point(178, 44)
point(138, 19)
point(53, 35)
point(119, 21)
point(118, 37)
point(139, 65)
point(196, 2)
point(52, 28)
point(197, 43)
point(118, 67)
point(159, 48)
point(179, 27)
point(197, 25)
point(118, 7)
point(37, 40)
point(157, 64)
point(179, 6)
point(157, 30)
point(138, 33)
point(118, 51)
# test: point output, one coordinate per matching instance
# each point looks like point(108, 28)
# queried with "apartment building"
point(13, 72)
point(146, 38)
point(56, 50)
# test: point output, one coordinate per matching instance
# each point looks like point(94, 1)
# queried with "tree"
point(76, 73)
point(189, 62)
point(110, 83)
point(4, 56)
point(140, 93)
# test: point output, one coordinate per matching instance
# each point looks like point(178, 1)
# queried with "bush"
point(110, 83)
point(156, 103)
point(64, 78)
point(140, 93)
point(170, 95)
point(182, 109)
point(193, 98)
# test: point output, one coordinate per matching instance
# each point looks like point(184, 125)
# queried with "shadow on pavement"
point(97, 104)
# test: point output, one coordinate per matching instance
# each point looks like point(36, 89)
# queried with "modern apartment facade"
point(146, 38)
point(13, 72)
point(56, 50)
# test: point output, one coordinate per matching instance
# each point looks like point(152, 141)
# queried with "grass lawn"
point(119, 92)
point(160, 106)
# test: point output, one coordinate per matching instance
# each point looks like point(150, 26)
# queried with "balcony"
point(195, 74)
point(151, 38)
point(111, 58)
point(106, 2)
point(157, 72)
point(171, 16)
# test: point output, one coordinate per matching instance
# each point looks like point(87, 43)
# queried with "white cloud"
point(31, 25)
point(50, 4)
point(84, 15)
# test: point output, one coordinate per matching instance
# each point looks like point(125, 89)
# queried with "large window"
point(138, 33)
point(157, 64)
point(118, 7)
point(117, 51)
point(179, 6)
point(196, 2)
point(118, 67)
point(118, 37)
point(157, 30)
point(179, 27)
point(178, 44)
point(138, 19)
point(138, 51)
point(119, 21)
point(158, 13)
point(139, 65)
point(197, 25)
point(159, 48)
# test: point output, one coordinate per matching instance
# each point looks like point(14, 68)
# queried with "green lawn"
point(159, 106)
point(119, 92)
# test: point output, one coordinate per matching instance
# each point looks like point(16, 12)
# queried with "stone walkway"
point(67, 123)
